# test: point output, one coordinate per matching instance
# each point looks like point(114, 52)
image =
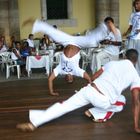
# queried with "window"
point(57, 9)
point(58, 12)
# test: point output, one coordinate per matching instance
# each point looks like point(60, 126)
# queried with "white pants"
point(99, 59)
point(91, 40)
point(85, 96)
point(135, 44)
point(105, 114)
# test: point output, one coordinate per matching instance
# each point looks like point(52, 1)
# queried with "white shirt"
point(69, 66)
point(135, 22)
point(30, 42)
point(13, 56)
point(117, 76)
point(112, 49)
point(3, 49)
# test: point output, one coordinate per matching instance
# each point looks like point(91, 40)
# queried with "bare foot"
point(88, 114)
point(137, 130)
point(26, 127)
point(54, 94)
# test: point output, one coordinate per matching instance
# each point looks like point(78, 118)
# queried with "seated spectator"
point(112, 46)
point(2, 47)
point(25, 51)
point(30, 41)
point(43, 44)
point(16, 56)
point(2, 38)
point(12, 42)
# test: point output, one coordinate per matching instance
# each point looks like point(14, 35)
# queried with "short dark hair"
point(25, 44)
point(17, 42)
point(30, 35)
point(109, 19)
point(134, 2)
point(55, 26)
point(132, 54)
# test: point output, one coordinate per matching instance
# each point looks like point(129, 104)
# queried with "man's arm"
point(16, 54)
point(128, 30)
point(50, 82)
point(136, 108)
point(97, 74)
point(109, 42)
point(87, 77)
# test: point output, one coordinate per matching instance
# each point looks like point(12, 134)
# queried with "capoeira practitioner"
point(104, 94)
point(69, 64)
point(134, 30)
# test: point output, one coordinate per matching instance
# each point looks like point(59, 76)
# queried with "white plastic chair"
point(10, 65)
point(56, 59)
point(3, 59)
point(86, 57)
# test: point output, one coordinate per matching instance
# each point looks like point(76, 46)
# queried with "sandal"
point(26, 127)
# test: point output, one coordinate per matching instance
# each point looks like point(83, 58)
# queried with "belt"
point(93, 85)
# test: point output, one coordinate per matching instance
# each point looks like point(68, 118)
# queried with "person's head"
point(45, 36)
point(31, 36)
point(2, 38)
point(25, 44)
point(43, 41)
point(136, 4)
point(69, 78)
point(109, 21)
point(12, 38)
point(18, 45)
point(55, 26)
point(132, 55)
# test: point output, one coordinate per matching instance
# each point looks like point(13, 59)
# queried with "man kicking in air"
point(69, 64)
point(104, 93)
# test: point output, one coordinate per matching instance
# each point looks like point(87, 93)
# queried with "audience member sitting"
point(30, 41)
point(16, 56)
point(2, 47)
point(112, 45)
point(43, 44)
point(12, 42)
point(25, 51)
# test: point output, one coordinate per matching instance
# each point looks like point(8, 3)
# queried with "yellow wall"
point(28, 9)
point(83, 11)
point(125, 12)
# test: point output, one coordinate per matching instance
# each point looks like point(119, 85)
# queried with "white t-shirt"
point(117, 76)
point(112, 49)
point(135, 22)
point(13, 56)
point(69, 66)
point(3, 49)
point(31, 43)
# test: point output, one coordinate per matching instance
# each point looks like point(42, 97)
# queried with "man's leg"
point(55, 34)
point(102, 115)
point(63, 38)
point(39, 117)
point(85, 96)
